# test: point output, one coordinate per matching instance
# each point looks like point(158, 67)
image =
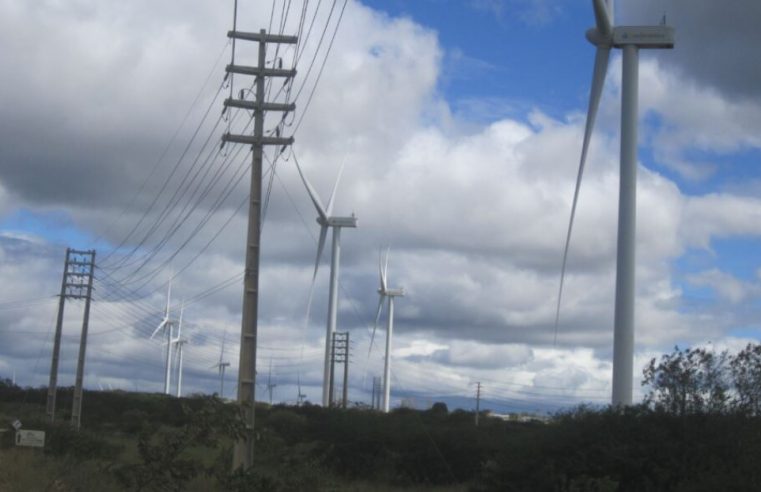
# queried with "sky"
point(459, 125)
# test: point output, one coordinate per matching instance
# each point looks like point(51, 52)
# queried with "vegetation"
point(698, 429)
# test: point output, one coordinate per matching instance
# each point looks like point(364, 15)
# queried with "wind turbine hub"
point(598, 39)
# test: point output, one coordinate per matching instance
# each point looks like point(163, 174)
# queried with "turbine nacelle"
point(337, 221)
point(391, 292)
point(644, 37)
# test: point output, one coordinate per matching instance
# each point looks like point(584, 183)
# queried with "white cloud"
point(475, 215)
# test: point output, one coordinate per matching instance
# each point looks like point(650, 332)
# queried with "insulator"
point(242, 91)
point(280, 62)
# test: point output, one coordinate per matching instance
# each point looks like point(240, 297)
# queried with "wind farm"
point(551, 246)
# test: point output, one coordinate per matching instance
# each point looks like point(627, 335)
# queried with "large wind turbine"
point(630, 39)
point(386, 294)
point(167, 325)
point(327, 220)
point(222, 365)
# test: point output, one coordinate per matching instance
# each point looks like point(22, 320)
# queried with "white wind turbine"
point(221, 366)
point(389, 294)
point(167, 325)
point(327, 220)
point(630, 39)
point(179, 342)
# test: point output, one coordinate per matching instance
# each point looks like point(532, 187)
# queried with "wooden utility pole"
point(244, 449)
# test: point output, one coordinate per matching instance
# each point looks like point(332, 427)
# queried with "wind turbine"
point(179, 342)
point(222, 366)
point(630, 39)
point(270, 384)
point(167, 325)
point(300, 396)
point(327, 220)
point(389, 294)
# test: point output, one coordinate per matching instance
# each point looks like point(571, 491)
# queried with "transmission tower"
point(478, 400)
point(76, 284)
point(244, 449)
point(339, 354)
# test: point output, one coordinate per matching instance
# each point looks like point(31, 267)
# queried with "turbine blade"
point(168, 297)
point(385, 269)
point(179, 326)
point(381, 273)
point(222, 350)
point(329, 210)
point(598, 81)
point(320, 248)
point(602, 17)
point(375, 326)
point(312, 193)
point(158, 328)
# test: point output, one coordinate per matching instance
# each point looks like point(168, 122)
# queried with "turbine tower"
point(221, 366)
point(167, 325)
point(327, 220)
point(386, 294)
point(179, 342)
point(630, 39)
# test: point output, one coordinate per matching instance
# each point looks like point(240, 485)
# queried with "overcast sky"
point(460, 127)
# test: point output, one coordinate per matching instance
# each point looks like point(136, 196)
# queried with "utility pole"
point(478, 400)
point(86, 270)
point(372, 398)
point(76, 283)
point(346, 372)
point(339, 353)
point(377, 388)
point(243, 455)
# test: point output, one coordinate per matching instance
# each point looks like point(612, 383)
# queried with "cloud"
point(713, 43)
point(475, 213)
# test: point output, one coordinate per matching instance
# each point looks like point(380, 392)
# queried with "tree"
point(746, 377)
point(688, 381)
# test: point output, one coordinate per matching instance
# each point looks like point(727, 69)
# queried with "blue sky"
point(468, 113)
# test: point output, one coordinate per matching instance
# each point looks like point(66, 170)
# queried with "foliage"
point(166, 454)
point(62, 440)
point(746, 376)
point(688, 381)
point(698, 381)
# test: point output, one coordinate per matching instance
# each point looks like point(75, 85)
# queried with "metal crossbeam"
point(261, 71)
point(267, 38)
point(252, 140)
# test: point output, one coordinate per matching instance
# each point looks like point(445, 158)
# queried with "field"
point(133, 441)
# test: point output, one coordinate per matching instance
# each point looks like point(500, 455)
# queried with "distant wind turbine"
point(326, 220)
point(221, 366)
point(179, 342)
point(389, 294)
point(299, 396)
point(167, 325)
point(630, 39)
point(270, 384)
